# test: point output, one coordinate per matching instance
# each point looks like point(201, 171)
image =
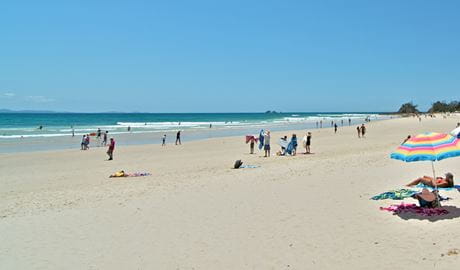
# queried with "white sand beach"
point(60, 210)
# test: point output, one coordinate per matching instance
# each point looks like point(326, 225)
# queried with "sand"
point(59, 209)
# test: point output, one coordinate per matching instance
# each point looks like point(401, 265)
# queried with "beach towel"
point(399, 194)
point(457, 187)
point(123, 174)
point(261, 139)
point(249, 166)
point(251, 138)
point(412, 208)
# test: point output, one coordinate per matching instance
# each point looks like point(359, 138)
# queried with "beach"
point(60, 210)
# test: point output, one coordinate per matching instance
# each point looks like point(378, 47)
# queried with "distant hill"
point(25, 111)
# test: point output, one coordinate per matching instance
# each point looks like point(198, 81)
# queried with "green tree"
point(408, 107)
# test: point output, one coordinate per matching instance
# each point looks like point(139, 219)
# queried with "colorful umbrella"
point(428, 147)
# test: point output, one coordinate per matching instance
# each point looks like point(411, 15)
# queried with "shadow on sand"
point(454, 212)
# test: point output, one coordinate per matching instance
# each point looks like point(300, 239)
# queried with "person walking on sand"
point(335, 128)
point(178, 138)
point(359, 131)
point(163, 140)
point(83, 143)
point(363, 130)
point(87, 142)
point(111, 148)
point(307, 143)
point(267, 143)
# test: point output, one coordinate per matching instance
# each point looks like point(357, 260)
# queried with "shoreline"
point(67, 142)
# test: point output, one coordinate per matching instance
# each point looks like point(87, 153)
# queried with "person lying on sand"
point(429, 181)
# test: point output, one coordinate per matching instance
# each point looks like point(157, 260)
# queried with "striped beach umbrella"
point(428, 147)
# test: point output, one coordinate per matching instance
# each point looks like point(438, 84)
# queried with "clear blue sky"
point(232, 56)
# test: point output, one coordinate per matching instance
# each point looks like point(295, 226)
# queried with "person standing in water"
point(349, 121)
point(73, 131)
point(178, 138)
point(111, 148)
point(104, 140)
point(164, 140)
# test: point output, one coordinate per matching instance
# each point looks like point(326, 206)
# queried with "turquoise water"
point(24, 125)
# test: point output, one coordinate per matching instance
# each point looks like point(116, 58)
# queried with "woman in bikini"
point(429, 181)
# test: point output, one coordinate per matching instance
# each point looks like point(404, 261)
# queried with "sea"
point(16, 128)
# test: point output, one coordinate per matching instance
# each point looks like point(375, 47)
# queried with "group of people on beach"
point(99, 134)
point(178, 139)
point(361, 131)
point(287, 148)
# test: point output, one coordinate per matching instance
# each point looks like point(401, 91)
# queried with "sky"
point(228, 56)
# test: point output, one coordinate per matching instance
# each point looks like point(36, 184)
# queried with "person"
point(294, 144)
point(341, 121)
point(98, 133)
point(73, 131)
point(427, 199)
point(406, 139)
point(267, 143)
point(335, 128)
point(251, 145)
point(363, 130)
point(104, 140)
point(307, 144)
point(111, 148)
point(316, 124)
point(332, 123)
point(283, 144)
point(83, 143)
point(129, 128)
point(359, 131)
point(441, 182)
point(458, 124)
point(178, 138)
point(349, 121)
point(164, 140)
point(40, 127)
point(210, 125)
point(87, 142)
point(321, 124)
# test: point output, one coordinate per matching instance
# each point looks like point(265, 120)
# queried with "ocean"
point(24, 125)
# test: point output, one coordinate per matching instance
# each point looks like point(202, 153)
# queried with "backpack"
point(238, 164)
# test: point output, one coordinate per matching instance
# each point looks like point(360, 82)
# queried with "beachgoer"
point(335, 128)
point(87, 142)
point(111, 148)
point(349, 121)
point(73, 131)
point(341, 121)
point(284, 142)
point(210, 125)
point(83, 143)
point(321, 124)
point(332, 123)
point(441, 182)
point(164, 140)
point(427, 199)
point(98, 133)
point(406, 139)
point(294, 144)
point(40, 127)
point(178, 138)
point(317, 124)
point(129, 128)
point(359, 131)
point(267, 143)
point(251, 145)
point(307, 144)
point(104, 140)
point(363, 130)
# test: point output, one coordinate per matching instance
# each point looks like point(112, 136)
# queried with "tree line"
point(436, 107)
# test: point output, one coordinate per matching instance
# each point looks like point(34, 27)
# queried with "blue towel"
point(249, 166)
point(457, 187)
point(261, 139)
point(291, 146)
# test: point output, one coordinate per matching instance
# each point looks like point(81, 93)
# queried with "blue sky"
point(228, 56)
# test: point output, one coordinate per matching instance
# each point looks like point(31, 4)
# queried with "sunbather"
point(441, 182)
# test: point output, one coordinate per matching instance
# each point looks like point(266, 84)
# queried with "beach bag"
point(238, 164)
